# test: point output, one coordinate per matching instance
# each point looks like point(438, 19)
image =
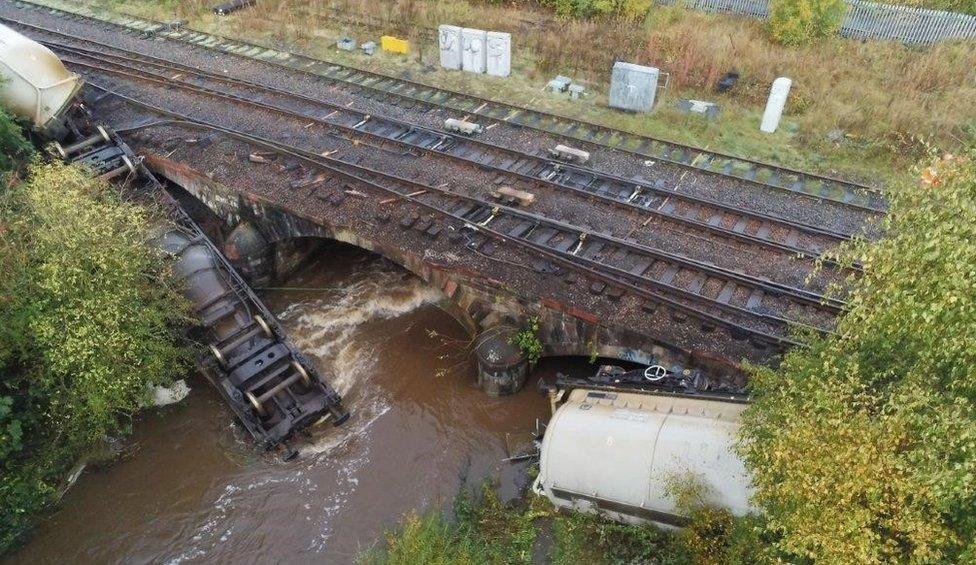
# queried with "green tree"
point(799, 22)
point(87, 322)
point(863, 447)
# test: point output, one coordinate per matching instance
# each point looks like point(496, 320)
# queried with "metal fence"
point(866, 20)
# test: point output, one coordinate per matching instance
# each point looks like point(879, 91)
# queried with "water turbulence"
point(194, 488)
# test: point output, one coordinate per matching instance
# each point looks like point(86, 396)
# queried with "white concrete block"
point(450, 42)
point(474, 52)
point(499, 54)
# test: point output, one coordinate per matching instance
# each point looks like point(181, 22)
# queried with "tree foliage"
point(863, 448)
point(86, 323)
point(799, 22)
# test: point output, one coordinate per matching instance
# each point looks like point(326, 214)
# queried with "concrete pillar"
point(502, 369)
point(775, 104)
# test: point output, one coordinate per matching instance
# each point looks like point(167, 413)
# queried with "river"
point(193, 488)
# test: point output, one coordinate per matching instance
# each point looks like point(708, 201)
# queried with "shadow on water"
point(194, 489)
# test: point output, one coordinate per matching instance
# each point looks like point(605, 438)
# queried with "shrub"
point(528, 342)
point(86, 323)
point(589, 8)
point(15, 150)
point(861, 447)
point(799, 22)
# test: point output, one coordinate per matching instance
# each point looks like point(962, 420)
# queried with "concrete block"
point(346, 44)
point(707, 109)
point(576, 91)
point(474, 53)
point(369, 48)
point(499, 54)
point(633, 87)
point(559, 84)
point(450, 44)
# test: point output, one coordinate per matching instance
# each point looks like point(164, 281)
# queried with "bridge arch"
point(479, 302)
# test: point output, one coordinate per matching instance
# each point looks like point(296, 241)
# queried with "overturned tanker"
point(271, 387)
point(620, 442)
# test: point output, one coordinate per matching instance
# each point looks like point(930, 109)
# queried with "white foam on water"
point(326, 328)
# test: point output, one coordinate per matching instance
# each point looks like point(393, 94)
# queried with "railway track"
point(716, 218)
point(747, 306)
point(408, 93)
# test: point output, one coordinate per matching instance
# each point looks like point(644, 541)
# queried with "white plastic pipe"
point(775, 104)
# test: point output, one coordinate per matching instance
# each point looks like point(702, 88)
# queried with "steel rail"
point(358, 131)
point(404, 88)
point(766, 285)
point(572, 262)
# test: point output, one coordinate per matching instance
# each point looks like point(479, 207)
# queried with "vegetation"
point(862, 446)
point(528, 342)
point(800, 22)
point(486, 530)
point(861, 109)
point(15, 149)
point(86, 325)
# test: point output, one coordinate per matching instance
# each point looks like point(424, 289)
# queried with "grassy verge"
point(485, 530)
point(865, 110)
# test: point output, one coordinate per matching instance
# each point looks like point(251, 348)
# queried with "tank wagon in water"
point(272, 388)
point(618, 444)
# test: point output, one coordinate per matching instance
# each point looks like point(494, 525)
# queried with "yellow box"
point(394, 45)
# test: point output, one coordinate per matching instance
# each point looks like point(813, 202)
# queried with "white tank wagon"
point(34, 83)
point(619, 453)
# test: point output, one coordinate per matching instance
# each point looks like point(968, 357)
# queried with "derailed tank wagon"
point(272, 388)
point(618, 444)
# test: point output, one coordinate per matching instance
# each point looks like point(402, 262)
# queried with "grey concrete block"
point(708, 109)
point(633, 87)
point(559, 84)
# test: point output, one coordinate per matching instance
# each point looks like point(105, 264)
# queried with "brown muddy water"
point(194, 490)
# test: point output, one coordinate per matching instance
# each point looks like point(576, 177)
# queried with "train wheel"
point(264, 326)
point(220, 356)
point(301, 371)
point(258, 407)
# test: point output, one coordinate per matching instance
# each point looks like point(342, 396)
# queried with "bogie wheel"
point(220, 356)
point(264, 326)
point(258, 407)
point(301, 371)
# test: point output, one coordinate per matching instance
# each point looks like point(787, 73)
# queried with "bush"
point(861, 447)
point(589, 8)
point(86, 324)
point(799, 22)
point(15, 150)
